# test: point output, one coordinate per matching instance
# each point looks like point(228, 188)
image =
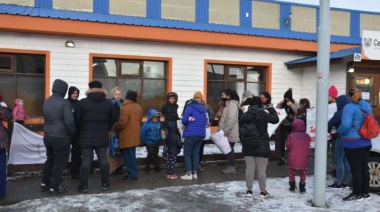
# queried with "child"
point(173, 142)
point(151, 137)
point(19, 113)
point(298, 144)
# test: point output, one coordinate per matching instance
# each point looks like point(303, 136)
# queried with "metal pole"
point(323, 65)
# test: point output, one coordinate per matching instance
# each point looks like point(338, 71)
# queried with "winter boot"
point(292, 185)
point(302, 188)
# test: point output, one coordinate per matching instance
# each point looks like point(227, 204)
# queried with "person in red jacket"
point(297, 145)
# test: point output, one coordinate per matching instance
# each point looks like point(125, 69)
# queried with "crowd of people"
point(84, 126)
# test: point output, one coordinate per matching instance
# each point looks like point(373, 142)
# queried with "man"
point(59, 128)
point(94, 117)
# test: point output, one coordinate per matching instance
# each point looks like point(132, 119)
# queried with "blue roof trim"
point(139, 21)
point(333, 55)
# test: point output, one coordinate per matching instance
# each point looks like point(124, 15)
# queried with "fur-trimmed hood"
point(96, 94)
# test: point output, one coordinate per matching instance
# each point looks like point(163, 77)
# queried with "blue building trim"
point(317, 20)
point(101, 6)
point(285, 10)
point(355, 25)
point(201, 11)
point(153, 9)
point(245, 8)
point(46, 4)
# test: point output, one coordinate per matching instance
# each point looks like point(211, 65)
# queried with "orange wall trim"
point(47, 63)
point(16, 23)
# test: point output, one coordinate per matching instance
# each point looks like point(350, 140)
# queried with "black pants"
point(358, 160)
point(88, 155)
point(152, 157)
point(201, 151)
point(76, 158)
point(284, 132)
point(57, 152)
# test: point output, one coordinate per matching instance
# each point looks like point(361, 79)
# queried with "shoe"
point(187, 176)
point(292, 185)
point(264, 194)
point(195, 176)
point(345, 186)
point(229, 170)
point(76, 177)
point(281, 162)
point(165, 156)
point(58, 190)
point(366, 196)
point(147, 168)
point(353, 197)
point(172, 176)
point(335, 186)
point(126, 177)
point(105, 187)
point(82, 189)
point(200, 169)
point(302, 187)
point(44, 187)
point(249, 194)
point(157, 169)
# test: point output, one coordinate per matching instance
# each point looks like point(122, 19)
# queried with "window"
point(234, 77)
point(23, 76)
point(340, 23)
point(29, 3)
point(369, 22)
point(128, 7)
point(74, 5)
point(224, 12)
point(265, 15)
point(178, 10)
point(304, 19)
point(147, 78)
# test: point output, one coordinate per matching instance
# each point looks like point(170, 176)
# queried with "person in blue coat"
point(356, 148)
point(194, 118)
point(151, 136)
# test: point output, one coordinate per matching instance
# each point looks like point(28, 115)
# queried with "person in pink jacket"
point(297, 145)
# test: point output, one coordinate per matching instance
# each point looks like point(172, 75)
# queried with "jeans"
point(191, 153)
point(343, 169)
point(87, 158)
point(130, 162)
point(57, 153)
point(358, 160)
point(3, 172)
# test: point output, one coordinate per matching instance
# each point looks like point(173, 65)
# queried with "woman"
point(194, 118)
point(266, 99)
point(356, 148)
point(117, 102)
point(304, 104)
point(5, 115)
point(256, 159)
point(230, 126)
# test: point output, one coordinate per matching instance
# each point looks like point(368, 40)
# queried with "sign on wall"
point(371, 44)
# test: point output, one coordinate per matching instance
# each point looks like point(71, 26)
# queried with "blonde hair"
point(116, 89)
point(355, 94)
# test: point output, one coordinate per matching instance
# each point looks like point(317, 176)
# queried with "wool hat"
point(289, 94)
point(59, 86)
point(247, 94)
point(71, 91)
point(131, 95)
point(95, 84)
point(333, 92)
point(198, 94)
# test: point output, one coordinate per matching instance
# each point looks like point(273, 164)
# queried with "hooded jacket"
point(151, 131)
point(229, 122)
point(297, 145)
point(5, 115)
point(352, 115)
point(72, 101)
point(341, 101)
point(19, 113)
point(58, 116)
point(198, 126)
point(168, 110)
point(94, 118)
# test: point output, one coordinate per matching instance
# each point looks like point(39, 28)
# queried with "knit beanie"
point(333, 92)
point(198, 94)
point(95, 84)
point(71, 91)
point(288, 94)
point(131, 95)
point(247, 94)
point(59, 86)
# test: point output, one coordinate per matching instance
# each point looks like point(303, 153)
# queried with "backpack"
point(249, 135)
point(370, 128)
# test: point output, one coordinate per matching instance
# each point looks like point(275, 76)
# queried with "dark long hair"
point(232, 93)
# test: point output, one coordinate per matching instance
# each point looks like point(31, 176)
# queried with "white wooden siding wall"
point(72, 64)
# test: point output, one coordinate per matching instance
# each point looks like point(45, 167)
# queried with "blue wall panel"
point(355, 25)
point(153, 9)
point(285, 10)
point(246, 9)
point(201, 11)
point(47, 4)
point(101, 6)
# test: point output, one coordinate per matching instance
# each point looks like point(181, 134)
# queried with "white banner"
point(221, 142)
point(371, 44)
point(272, 127)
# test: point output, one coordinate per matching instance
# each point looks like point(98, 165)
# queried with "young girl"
point(298, 144)
point(19, 113)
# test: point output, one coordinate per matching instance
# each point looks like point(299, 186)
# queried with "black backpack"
point(249, 136)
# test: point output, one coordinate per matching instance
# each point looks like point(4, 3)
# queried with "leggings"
point(170, 163)
point(292, 175)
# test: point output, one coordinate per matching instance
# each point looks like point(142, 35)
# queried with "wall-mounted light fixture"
point(351, 70)
point(288, 20)
point(70, 44)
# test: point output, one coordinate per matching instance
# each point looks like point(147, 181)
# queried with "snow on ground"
point(226, 196)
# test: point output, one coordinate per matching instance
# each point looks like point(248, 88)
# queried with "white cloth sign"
point(27, 147)
point(181, 128)
point(221, 142)
point(208, 133)
point(272, 127)
point(311, 115)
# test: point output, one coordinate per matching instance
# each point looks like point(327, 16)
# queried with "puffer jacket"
point(151, 131)
point(341, 101)
point(297, 145)
point(94, 117)
point(168, 110)
point(58, 116)
point(229, 122)
point(260, 117)
point(198, 126)
point(352, 115)
point(5, 115)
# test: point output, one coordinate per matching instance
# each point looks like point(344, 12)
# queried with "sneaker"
point(281, 162)
point(195, 176)
point(229, 170)
point(366, 196)
point(59, 190)
point(353, 197)
point(249, 194)
point(82, 189)
point(44, 187)
point(172, 176)
point(335, 186)
point(187, 176)
point(264, 194)
point(200, 169)
point(105, 187)
point(126, 177)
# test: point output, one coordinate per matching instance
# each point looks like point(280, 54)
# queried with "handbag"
point(114, 149)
